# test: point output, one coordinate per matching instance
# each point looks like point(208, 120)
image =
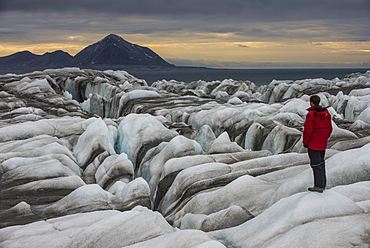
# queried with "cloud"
point(271, 10)
point(209, 29)
point(248, 20)
point(243, 46)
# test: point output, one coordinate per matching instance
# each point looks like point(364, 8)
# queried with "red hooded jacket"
point(317, 128)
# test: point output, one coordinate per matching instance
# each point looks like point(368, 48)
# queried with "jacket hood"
point(319, 111)
point(318, 108)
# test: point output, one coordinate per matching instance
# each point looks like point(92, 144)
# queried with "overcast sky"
point(217, 33)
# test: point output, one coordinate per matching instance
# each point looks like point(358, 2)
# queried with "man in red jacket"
point(317, 129)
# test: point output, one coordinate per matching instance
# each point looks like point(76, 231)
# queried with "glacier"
point(102, 159)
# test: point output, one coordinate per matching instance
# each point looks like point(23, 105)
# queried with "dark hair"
point(315, 99)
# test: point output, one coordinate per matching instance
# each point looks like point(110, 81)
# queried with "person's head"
point(314, 100)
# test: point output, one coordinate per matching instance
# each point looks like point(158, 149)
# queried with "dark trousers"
point(317, 163)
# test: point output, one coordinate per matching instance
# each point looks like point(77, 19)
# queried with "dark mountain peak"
point(114, 50)
point(114, 40)
point(24, 52)
point(51, 59)
point(118, 41)
point(113, 37)
point(57, 52)
point(19, 58)
point(109, 52)
point(21, 54)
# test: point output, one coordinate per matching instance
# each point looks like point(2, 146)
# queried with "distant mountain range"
point(112, 52)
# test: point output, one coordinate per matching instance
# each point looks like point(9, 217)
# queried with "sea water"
point(258, 76)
